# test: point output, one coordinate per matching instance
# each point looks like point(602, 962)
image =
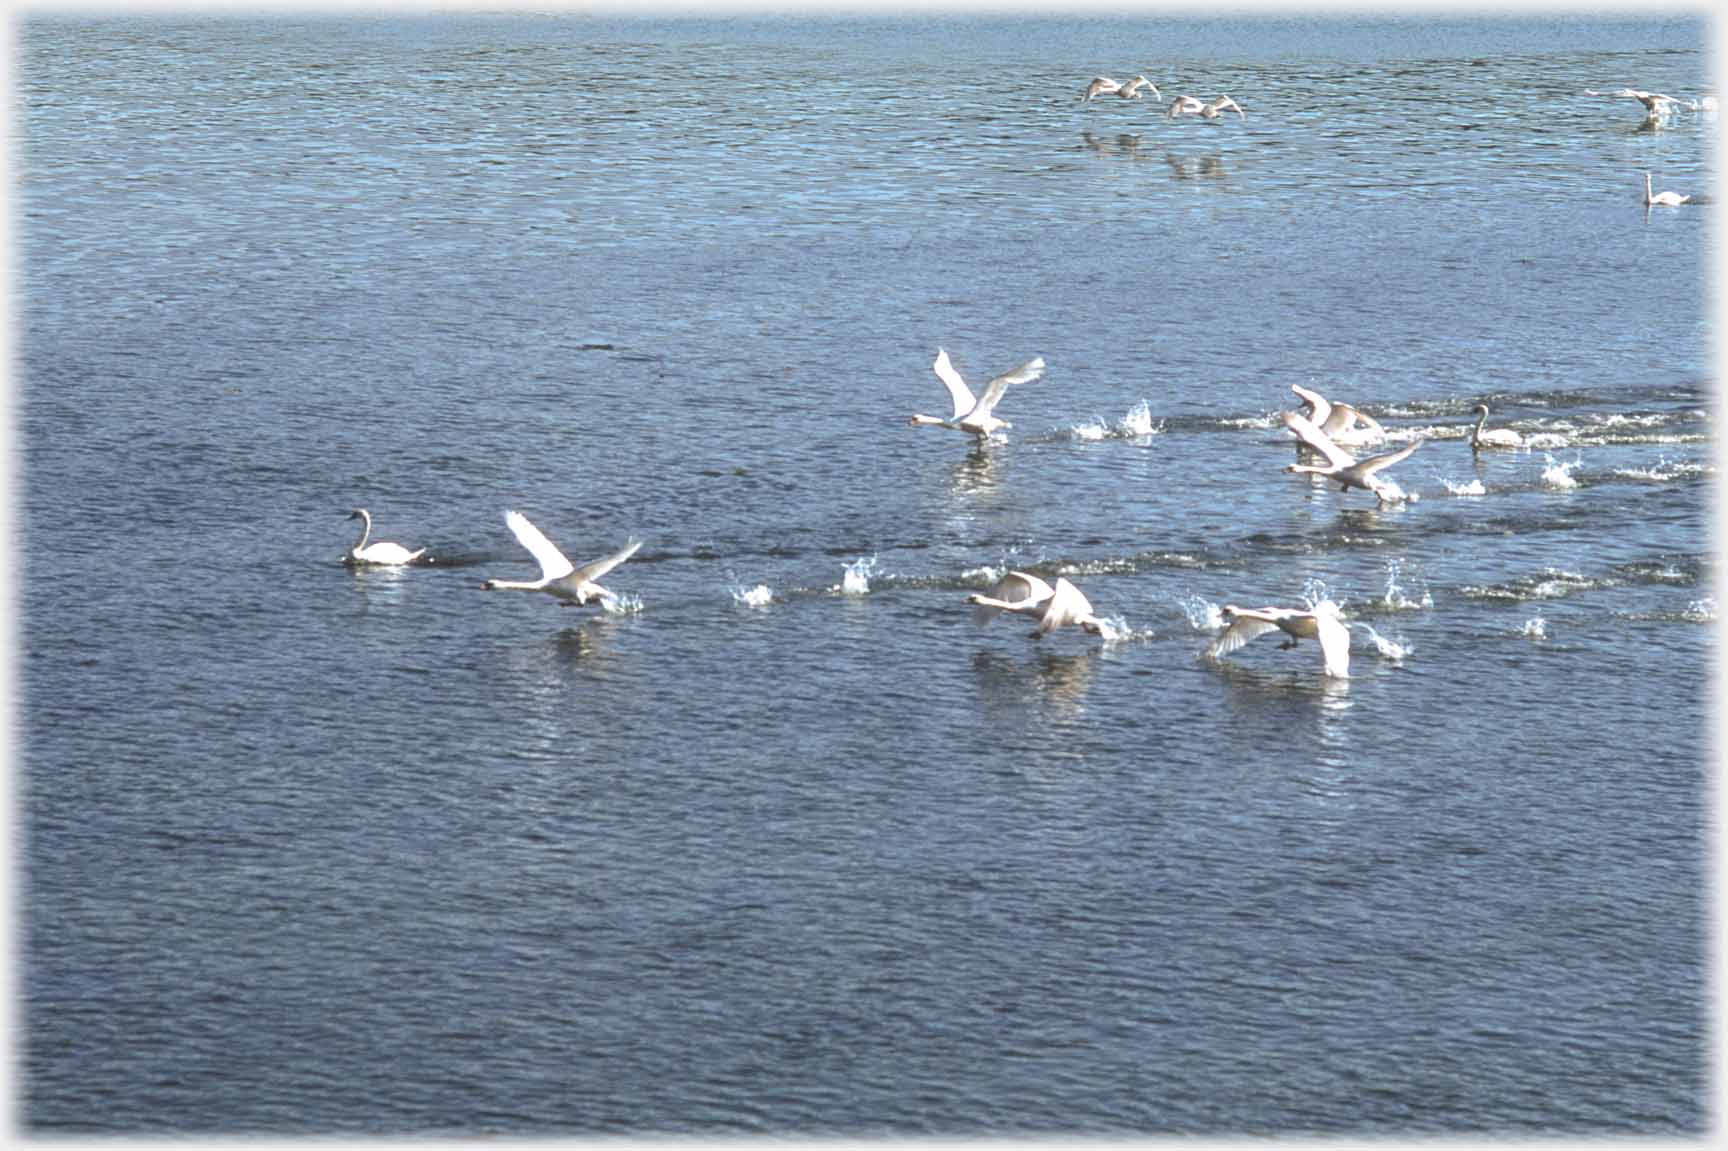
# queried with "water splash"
point(1389, 649)
point(1139, 422)
point(1315, 593)
point(1702, 610)
point(1664, 470)
point(984, 575)
point(1136, 424)
point(1559, 475)
point(1395, 598)
point(1203, 614)
point(1464, 487)
point(622, 604)
point(857, 578)
point(1535, 628)
point(759, 596)
point(1096, 430)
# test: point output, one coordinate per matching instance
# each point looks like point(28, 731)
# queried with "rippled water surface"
point(785, 841)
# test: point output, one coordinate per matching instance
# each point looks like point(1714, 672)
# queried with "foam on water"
point(1137, 423)
point(758, 596)
point(626, 604)
point(857, 578)
point(1535, 628)
point(1702, 610)
point(1559, 475)
point(1464, 487)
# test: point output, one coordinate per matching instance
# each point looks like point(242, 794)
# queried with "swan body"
point(1322, 623)
point(1194, 106)
point(1347, 469)
point(1655, 103)
point(1064, 605)
point(1342, 423)
point(1105, 86)
point(380, 554)
point(977, 415)
point(1493, 437)
point(1662, 199)
point(558, 576)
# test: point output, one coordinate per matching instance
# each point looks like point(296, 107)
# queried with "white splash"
point(1139, 422)
point(1538, 440)
point(1203, 614)
point(1394, 650)
point(1115, 629)
point(759, 596)
point(1096, 430)
point(984, 575)
point(622, 604)
point(1465, 487)
point(1702, 610)
point(1559, 475)
point(1535, 628)
point(857, 578)
point(1395, 598)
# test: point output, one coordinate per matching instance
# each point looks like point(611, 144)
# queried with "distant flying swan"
point(1105, 86)
point(976, 415)
point(558, 577)
point(1493, 437)
point(380, 553)
point(1664, 199)
point(1341, 422)
point(1322, 623)
point(1655, 103)
point(1062, 606)
point(1345, 468)
point(1194, 106)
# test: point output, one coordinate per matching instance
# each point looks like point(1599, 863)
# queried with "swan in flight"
point(1105, 86)
point(571, 584)
point(1346, 468)
point(1493, 437)
point(1655, 103)
point(380, 553)
point(1322, 623)
point(1342, 423)
point(1665, 199)
point(977, 415)
point(1194, 106)
point(1060, 606)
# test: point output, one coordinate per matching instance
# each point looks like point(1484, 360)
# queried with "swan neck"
point(365, 531)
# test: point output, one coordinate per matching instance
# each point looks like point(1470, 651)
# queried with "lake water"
point(306, 850)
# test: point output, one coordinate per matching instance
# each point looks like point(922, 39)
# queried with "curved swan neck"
point(365, 529)
point(1481, 418)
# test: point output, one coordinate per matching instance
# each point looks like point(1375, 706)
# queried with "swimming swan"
point(1322, 623)
point(1493, 437)
point(1664, 199)
point(1105, 86)
point(573, 585)
point(1339, 421)
point(1061, 606)
point(380, 553)
point(1345, 468)
point(1194, 106)
point(975, 415)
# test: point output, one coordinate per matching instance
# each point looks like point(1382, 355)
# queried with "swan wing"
point(552, 563)
point(1386, 459)
point(1244, 627)
point(957, 389)
point(593, 571)
point(1021, 590)
point(1334, 643)
point(1318, 440)
point(1068, 605)
point(1024, 374)
point(1322, 410)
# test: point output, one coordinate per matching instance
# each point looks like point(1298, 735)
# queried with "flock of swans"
point(1321, 428)
point(1325, 431)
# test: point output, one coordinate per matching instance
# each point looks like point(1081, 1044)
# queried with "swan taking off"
point(381, 553)
point(1322, 624)
point(1664, 199)
point(1342, 423)
point(1346, 468)
point(1655, 103)
point(1194, 106)
point(1105, 86)
point(558, 577)
point(976, 415)
point(1493, 437)
point(1059, 606)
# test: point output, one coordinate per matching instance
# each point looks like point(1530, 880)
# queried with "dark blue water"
point(306, 850)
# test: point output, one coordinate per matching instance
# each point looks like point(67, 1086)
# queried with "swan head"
point(1483, 408)
point(359, 514)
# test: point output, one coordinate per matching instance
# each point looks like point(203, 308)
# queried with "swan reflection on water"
point(1057, 680)
point(1208, 167)
point(1124, 144)
point(979, 471)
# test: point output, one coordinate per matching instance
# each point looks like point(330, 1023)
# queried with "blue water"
point(310, 850)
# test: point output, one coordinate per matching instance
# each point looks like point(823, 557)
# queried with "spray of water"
point(1395, 598)
point(1464, 487)
point(1202, 613)
point(1559, 475)
point(1389, 649)
point(857, 578)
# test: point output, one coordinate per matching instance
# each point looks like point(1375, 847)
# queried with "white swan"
point(380, 553)
point(558, 577)
point(1061, 606)
point(1655, 103)
point(1341, 422)
point(1194, 106)
point(1663, 199)
point(1345, 468)
point(1322, 623)
point(1493, 437)
point(1105, 86)
point(976, 415)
